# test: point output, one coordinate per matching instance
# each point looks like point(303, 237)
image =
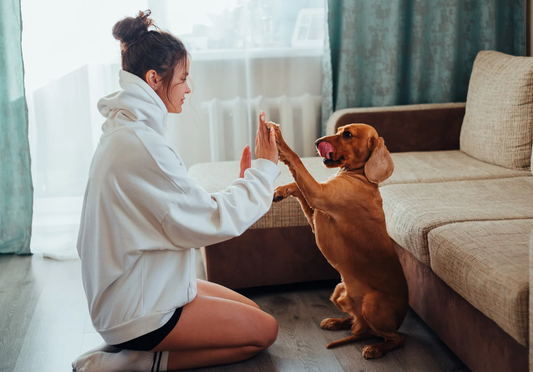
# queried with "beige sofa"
point(459, 208)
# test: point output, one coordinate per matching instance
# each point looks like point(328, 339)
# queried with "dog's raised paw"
point(277, 198)
point(280, 193)
point(372, 352)
point(271, 124)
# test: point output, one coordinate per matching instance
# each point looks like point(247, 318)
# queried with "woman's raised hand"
point(246, 160)
point(265, 141)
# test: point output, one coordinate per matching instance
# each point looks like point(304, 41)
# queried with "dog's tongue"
point(325, 149)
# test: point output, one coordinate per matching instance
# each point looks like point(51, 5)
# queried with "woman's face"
point(178, 88)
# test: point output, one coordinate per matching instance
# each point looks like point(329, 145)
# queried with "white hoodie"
point(143, 216)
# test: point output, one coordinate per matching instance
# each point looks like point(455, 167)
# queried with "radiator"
point(233, 123)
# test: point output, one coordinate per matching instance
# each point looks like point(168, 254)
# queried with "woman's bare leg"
point(216, 290)
point(216, 330)
point(219, 326)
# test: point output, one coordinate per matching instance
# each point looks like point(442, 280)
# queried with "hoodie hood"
point(136, 103)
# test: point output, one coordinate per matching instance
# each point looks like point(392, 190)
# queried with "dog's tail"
point(346, 340)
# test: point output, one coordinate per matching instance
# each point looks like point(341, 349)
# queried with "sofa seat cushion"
point(441, 166)
point(487, 263)
point(413, 210)
point(217, 176)
point(498, 122)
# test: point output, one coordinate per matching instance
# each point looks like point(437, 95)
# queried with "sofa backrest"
point(498, 123)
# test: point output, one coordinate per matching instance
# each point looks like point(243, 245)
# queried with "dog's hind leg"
point(360, 330)
point(382, 318)
point(336, 323)
point(393, 340)
point(338, 292)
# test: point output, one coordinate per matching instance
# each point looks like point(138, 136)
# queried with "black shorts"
point(150, 340)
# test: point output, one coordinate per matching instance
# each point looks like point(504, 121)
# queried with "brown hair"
point(143, 50)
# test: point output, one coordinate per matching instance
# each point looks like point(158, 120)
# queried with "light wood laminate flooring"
point(44, 325)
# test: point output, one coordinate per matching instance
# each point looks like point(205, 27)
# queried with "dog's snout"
point(318, 141)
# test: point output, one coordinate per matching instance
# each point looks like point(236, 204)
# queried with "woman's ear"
point(379, 166)
point(153, 79)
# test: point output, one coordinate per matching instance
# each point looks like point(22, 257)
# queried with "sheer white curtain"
point(246, 55)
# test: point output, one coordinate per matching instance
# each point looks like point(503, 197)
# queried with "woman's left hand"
point(246, 160)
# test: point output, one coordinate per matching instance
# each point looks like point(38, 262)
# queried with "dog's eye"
point(347, 134)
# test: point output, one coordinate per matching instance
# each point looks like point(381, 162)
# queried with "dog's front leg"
point(312, 191)
point(291, 189)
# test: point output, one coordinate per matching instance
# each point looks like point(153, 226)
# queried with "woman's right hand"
point(265, 141)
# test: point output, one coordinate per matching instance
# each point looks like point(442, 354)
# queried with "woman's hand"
point(265, 141)
point(246, 160)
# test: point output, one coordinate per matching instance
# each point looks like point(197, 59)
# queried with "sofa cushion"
point(440, 166)
point(413, 210)
point(498, 123)
point(410, 167)
point(487, 263)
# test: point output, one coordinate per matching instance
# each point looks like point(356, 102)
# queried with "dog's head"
point(357, 146)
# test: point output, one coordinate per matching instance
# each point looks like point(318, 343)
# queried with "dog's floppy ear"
point(379, 166)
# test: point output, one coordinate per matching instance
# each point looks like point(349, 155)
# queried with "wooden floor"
point(44, 325)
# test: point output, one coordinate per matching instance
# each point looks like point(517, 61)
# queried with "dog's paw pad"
point(279, 194)
point(372, 352)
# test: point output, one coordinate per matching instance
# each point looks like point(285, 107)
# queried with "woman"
point(143, 216)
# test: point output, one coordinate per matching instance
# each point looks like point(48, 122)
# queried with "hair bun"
point(130, 29)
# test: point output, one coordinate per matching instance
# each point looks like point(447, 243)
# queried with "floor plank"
point(299, 347)
point(424, 351)
point(55, 333)
point(44, 325)
point(19, 294)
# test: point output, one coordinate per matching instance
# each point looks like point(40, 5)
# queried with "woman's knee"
point(272, 332)
point(268, 332)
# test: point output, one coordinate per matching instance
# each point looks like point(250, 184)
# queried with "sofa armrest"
point(424, 127)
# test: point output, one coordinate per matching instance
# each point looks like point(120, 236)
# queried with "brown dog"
point(347, 217)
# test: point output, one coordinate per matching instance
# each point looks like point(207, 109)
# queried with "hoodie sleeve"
point(194, 217)
point(198, 218)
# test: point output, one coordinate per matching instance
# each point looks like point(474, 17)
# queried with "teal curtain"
point(395, 52)
point(16, 190)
